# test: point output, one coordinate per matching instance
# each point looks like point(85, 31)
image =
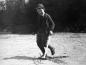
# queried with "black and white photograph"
point(42, 32)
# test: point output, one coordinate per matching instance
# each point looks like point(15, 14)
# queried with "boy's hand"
point(51, 32)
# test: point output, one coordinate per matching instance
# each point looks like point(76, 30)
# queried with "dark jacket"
point(45, 24)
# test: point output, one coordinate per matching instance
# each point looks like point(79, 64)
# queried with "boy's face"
point(40, 12)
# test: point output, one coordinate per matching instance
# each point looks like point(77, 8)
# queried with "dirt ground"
point(70, 49)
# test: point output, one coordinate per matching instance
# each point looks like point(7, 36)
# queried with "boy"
point(45, 28)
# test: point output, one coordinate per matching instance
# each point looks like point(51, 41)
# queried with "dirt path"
point(70, 49)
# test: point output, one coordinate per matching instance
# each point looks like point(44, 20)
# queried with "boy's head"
point(40, 9)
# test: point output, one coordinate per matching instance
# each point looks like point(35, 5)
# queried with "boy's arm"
point(51, 23)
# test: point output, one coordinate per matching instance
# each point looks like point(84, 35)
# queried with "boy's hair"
point(40, 6)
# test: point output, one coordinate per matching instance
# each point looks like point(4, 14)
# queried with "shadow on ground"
point(56, 59)
point(31, 58)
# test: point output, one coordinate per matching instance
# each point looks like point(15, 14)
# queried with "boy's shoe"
point(42, 57)
point(50, 56)
point(53, 51)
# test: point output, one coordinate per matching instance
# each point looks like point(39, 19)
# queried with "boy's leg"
point(51, 49)
point(45, 39)
point(41, 48)
point(40, 43)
